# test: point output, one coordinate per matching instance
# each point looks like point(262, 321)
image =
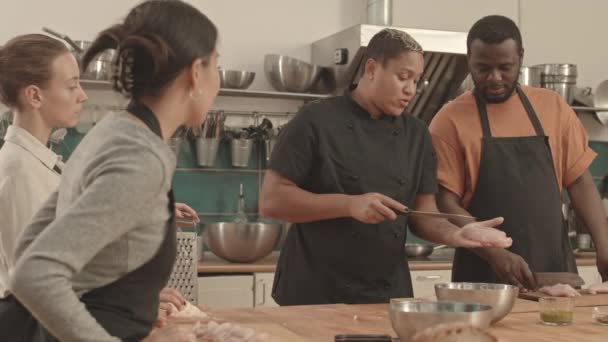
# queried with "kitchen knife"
point(409, 212)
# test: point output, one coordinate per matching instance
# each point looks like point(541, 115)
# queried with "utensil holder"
point(206, 151)
point(241, 152)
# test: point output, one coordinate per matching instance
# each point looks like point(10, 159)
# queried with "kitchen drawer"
point(590, 275)
point(424, 282)
point(262, 290)
point(233, 291)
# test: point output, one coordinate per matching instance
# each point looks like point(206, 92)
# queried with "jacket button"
point(347, 285)
point(350, 126)
point(396, 234)
point(401, 181)
point(355, 178)
point(387, 285)
point(396, 132)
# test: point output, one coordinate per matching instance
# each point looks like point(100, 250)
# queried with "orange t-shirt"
point(456, 132)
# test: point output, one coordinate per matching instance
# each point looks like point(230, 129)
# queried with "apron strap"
point(531, 113)
point(483, 116)
point(145, 114)
point(485, 123)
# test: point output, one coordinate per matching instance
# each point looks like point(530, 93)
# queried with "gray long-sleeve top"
point(107, 218)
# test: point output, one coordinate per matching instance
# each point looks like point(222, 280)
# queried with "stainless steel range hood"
point(343, 55)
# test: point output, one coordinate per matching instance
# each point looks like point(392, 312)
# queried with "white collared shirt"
point(27, 179)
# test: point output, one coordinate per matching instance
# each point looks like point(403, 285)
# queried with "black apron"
point(126, 308)
point(517, 181)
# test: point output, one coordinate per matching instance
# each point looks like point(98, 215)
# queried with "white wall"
point(449, 15)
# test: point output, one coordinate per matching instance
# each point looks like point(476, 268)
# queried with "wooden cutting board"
point(585, 300)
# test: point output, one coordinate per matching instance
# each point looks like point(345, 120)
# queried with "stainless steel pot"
point(560, 78)
point(530, 76)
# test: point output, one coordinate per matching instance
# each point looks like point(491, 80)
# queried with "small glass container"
point(556, 310)
point(600, 314)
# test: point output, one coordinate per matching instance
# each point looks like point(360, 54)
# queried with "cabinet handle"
point(261, 284)
point(429, 277)
point(263, 293)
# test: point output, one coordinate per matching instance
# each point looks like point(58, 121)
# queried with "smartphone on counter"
point(364, 338)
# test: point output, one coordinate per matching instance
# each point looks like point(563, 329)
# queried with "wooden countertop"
point(213, 264)
point(323, 322)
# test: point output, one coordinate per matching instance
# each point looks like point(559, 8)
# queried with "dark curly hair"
point(390, 43)
point(495, 29)
point(156, 41)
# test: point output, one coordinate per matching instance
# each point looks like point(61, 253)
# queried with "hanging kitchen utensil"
point(419, 250)
point(100, 68)
point(600, 100)
point(218, 124)
point(205, 128)
point(63, 37)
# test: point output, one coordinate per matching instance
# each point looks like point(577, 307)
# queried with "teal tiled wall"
point(210, 191)
point(599, 167)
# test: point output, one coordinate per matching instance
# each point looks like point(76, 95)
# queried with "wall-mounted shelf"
point(104, 85)
point(271, 94)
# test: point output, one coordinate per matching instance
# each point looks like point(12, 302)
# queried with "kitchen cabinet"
point(230, 291)
point(424, 282)
point(590, 275)
point(262, 290)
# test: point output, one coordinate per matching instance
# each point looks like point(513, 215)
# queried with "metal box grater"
point(185, 271)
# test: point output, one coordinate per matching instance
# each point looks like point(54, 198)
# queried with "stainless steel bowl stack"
point(290, 74)
point(236, 79)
